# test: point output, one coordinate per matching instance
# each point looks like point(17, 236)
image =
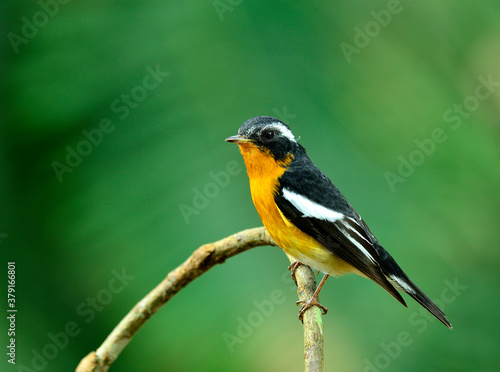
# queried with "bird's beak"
point(238, 139)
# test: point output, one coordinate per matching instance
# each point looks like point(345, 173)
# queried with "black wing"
point(330, 220)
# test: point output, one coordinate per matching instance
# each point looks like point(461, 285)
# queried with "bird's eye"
point(268, 134)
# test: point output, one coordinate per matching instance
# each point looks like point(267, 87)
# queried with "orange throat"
point(261, 165)
point(264, 173)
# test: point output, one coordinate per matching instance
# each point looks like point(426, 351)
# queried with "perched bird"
point(310, 219)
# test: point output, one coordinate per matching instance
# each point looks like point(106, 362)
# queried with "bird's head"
point(267, 135)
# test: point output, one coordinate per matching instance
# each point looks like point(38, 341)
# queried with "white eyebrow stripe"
point(308, 208)
point(283, 130)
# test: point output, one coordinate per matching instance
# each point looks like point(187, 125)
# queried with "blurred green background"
point(362, 83)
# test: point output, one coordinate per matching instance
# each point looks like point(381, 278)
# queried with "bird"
point(310, 219)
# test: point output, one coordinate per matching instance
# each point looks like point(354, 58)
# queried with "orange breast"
point(264, 172)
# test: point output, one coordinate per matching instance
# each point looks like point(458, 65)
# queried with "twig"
point(198, 263)
point(313, 322)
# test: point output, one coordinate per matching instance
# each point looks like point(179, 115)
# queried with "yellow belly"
point(296, 243)
point(263, 172)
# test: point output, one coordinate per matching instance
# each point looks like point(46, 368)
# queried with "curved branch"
point(203, 259)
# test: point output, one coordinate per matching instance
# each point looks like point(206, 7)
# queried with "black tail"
point(400, 280)
point(426, 302)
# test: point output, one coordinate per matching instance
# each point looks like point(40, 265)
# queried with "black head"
point(269, 134)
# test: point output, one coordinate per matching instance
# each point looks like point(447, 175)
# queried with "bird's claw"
point(313, 301)
point(293, 268)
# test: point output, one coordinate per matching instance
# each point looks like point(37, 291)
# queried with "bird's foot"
point(313, 301)
point(293, 268)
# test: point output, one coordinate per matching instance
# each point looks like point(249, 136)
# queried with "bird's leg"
point(313, 301)
point(293, 268)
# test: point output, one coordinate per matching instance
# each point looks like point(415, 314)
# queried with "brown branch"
point(203, 259)
point(313, 322)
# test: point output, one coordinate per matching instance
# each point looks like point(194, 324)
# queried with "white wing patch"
point(308, 208)
point(399, 284)
point(356, 231)
point(359, 245)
